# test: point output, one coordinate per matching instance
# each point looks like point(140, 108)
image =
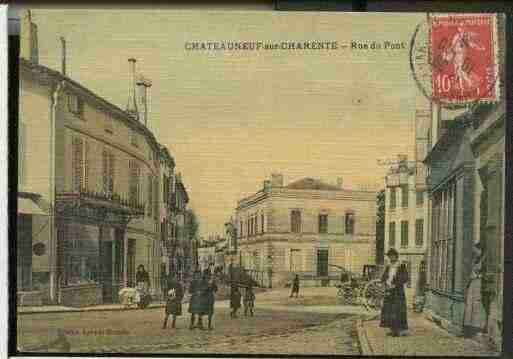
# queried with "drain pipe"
point(53, 240)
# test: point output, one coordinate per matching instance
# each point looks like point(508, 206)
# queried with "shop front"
point(90, 261)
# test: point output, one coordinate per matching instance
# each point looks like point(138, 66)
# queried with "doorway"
point(322, 262)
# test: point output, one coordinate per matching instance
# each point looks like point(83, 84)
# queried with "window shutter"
point(111, 172)
point(77, 145)
point(105, 159)
point(86, 166)
point(150, 196)
point(156, 199)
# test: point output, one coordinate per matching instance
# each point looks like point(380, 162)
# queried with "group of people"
point(202, 289)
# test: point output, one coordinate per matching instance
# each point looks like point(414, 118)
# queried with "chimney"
point(340, 182)
point(28, 38)
point(131, 106)
point(143, 84)
point(267, 185)
point(63, 43)
point(276, 180)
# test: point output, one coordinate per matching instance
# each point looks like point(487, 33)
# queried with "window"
point(404, 196)
point(134, 182)
point(256, 224)
point(349, 222)
point(404, 233)
point(442, 260)
point(295, 260)
point(322, 262)
point(295, 221)
point(241, 229)
point(134, 140)
point(391, 235)
point(393, 202)
point(82, 255)
point(155, 199)
point(323, 223)
point(80, 164)
point(109, 126)
point(108, 172)
point(420, 198)
point(75, 105)
point(262, 223)
point(150, 197)
point(419, 232)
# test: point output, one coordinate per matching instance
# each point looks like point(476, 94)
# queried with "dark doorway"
point(130, 257)
point(322, 262)
point(106, 265)
point(24, 252)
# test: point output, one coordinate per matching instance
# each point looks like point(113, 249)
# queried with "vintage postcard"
point(260, 182)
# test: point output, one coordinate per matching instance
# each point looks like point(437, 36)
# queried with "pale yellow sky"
point(232, 118)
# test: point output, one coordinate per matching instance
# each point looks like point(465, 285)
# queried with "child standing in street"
point(249, 301)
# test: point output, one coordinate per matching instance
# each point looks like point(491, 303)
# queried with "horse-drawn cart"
point(365, 289)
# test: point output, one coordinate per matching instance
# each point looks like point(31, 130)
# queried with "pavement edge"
point(363, 340)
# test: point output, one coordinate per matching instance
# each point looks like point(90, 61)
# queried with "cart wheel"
point(373, 294)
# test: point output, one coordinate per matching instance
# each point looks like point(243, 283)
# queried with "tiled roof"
point(312, 184)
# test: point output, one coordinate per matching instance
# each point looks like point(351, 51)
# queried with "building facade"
point(465, 181)
point(304, 228)
point(405, 224)
point(88, 188)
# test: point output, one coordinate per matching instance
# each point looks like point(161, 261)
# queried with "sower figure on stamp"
point(174, 300)
point(208, 298)
point(195, 304)
point(295, 287)
point(235, 298)
point(393, 312)
point(249, 301)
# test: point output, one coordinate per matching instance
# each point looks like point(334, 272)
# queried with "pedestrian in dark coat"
point(249, 301)
point(175, 295)
point(195, 303)
point(295, 287)
point(394, 312)
point(235, 298)
point(142, 276)
point(208, 298)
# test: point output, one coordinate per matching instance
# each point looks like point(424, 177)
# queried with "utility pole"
point(63, 55)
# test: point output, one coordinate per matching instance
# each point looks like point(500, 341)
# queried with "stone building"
point(180, 258)
point(88, 187)
point(466, 211)
point(167, 213)
point(405, 224)
point(303, 228)
point(466, 181)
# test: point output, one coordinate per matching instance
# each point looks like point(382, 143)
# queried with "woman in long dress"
point(394, 311)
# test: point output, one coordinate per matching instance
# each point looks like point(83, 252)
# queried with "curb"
point(78, 310)
point(363, 340)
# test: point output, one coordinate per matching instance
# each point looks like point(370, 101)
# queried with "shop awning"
point(28, 206)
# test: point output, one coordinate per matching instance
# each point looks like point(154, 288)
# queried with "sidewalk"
point(425, 338)
point(62, 309)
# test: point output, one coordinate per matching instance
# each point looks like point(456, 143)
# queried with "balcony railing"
point(112, 201)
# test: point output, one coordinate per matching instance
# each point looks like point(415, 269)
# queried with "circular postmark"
point(453, 59)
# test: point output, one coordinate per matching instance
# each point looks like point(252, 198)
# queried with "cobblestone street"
point(275, 329)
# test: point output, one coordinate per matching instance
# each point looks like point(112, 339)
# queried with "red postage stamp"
point(463, 55)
